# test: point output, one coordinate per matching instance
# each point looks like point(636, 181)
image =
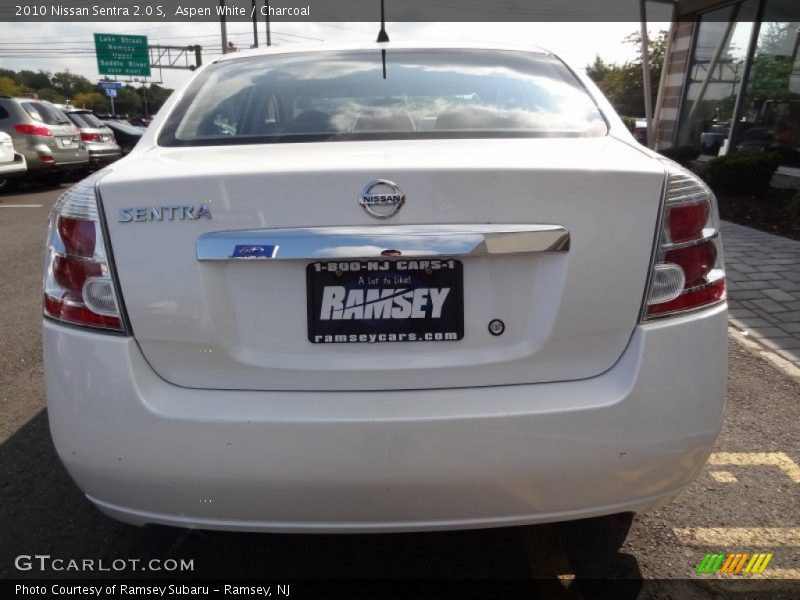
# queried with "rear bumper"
point(146, 451)
point(103, 154)
point(59, 160)
point(15, 169)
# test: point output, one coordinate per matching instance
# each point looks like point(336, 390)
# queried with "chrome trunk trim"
point(324, 243)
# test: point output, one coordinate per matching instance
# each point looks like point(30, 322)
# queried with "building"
point(732, 62)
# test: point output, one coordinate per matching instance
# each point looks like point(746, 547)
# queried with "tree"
point(50, 95)
point(156, 96)
point(8, 87)
point(34, 80)
point(94, 101)
point(67, 84)
point(598, 69)
point(624, 84)
point(128, 101)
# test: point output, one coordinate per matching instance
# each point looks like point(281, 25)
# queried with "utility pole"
point(269, 34)
point(648, 98)
point(255, 25)
point(223, 27)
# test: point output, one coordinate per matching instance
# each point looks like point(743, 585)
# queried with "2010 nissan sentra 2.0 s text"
point(382, 288)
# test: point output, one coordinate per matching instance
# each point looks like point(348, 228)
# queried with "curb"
point(783, 365)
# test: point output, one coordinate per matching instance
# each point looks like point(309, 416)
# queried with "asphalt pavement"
point(746, 500)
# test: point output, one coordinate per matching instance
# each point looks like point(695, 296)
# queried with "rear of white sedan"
point(384, 288)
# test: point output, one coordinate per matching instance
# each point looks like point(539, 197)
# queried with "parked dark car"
point(96, 136)
point(127, 135)
point(711, 141)
point(640, 131)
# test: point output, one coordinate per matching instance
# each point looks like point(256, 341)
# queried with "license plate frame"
point(394, 311)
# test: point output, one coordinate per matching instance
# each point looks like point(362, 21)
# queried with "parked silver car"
point(12, 163)
point(96, 136)
point(44, 135)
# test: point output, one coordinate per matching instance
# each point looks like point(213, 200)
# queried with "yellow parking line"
point(761, 459)
point(723, 476)
point(724, 537)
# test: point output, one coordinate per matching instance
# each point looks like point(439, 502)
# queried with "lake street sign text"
point(122, 54)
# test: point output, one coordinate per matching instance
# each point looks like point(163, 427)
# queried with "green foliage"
point(34, 80)
point(742, 172)
point(623, 84)
point(630, 123)
point(8, 87)
point(770, 76)
point(701, 170)
point(792, 207)
point(681, 154)
point(50, 95)
point(128, 101)
point(94, 101)
point(66, 86)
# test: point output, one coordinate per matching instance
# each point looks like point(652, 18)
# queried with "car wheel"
point(53, 179)
point(7, 186)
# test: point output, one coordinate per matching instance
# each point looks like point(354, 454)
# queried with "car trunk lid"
point(566, 312)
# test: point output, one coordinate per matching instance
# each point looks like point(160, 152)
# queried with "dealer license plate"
point(372, 301)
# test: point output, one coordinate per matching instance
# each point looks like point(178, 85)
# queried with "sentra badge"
point(184, 212)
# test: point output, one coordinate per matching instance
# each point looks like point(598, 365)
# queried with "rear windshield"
point(86, 120)
point(45, 113)
point(355, 95)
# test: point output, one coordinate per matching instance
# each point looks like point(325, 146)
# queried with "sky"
point(58, 46)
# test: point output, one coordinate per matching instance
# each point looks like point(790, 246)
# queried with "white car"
point(12, 163)
point(294, 308)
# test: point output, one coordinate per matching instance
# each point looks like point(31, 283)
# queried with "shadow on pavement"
point(43, 512)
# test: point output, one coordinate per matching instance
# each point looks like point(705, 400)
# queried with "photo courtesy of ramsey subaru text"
point(381, 288)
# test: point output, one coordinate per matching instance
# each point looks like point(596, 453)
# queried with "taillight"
point(29, 129)
point(91, 137)
point(688, 272)
point(78, 282)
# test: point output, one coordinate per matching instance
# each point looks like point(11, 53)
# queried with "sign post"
point(122, 54)
point(111, 95)
point(110, 88)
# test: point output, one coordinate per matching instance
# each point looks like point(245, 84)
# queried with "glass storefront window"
point(771, 115)
point(715, 75)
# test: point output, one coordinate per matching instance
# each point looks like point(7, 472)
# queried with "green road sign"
point(122, 54)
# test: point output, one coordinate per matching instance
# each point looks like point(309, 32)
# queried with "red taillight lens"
point(91, 137)
point(696, 261)
point(70, 311)
point(29, 129)
point(710, 294)
point(78, 286)
point(688, 272)
point(79, 236)
point(686, 222)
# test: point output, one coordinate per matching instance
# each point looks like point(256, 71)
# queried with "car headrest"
point(383, 119)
